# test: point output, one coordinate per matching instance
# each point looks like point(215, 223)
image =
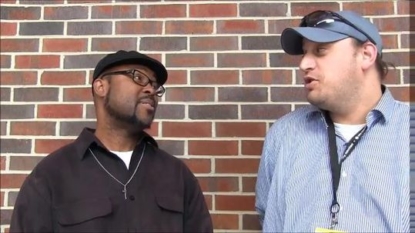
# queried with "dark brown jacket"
point(69, 192)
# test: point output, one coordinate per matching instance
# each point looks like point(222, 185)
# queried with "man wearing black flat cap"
point(342, 163)
point(115, 178)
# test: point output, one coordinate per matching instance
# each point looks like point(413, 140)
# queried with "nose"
point(307, 62)
point(149, 88)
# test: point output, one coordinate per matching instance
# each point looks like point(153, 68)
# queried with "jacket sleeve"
point(32, 210)
point(196, 213)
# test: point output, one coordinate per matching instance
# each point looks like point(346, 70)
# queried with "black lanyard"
point(336, 166)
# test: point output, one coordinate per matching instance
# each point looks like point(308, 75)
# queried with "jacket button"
point(132, 198)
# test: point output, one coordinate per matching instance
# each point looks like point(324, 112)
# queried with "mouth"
point(309, 82)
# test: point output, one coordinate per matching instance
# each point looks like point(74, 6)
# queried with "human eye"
point(139, 78)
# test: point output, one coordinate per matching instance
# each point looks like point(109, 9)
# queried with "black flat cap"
point(123, 57)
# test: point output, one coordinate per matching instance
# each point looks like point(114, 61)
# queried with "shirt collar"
point(87, 138)
point(383, 109)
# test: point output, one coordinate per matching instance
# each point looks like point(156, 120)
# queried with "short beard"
point(131, 122)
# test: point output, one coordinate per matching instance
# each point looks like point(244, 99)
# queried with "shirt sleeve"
point(266, 172)
point(32, 210)
point(196, 213)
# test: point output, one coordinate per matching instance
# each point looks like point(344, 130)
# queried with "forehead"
point(149, 72)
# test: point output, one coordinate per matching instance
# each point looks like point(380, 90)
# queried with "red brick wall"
point(229, 80)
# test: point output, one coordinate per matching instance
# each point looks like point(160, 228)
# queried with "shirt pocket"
point(170, 212)
point(84, 215)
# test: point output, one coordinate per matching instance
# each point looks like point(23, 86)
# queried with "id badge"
point(326, 230)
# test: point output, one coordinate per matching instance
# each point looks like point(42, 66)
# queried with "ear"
point(370, 52)
point(100, 87)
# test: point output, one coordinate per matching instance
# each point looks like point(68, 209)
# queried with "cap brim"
point(292, 38)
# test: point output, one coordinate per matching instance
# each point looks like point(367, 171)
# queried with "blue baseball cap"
point(328, 26)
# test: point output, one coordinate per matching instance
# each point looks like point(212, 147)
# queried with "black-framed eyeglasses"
point(318, 17)
point(141, 79)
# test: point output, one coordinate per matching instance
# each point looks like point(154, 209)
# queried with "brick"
point(5, 61)
point(113, 44)
point(169, 111)
point(90, 111)
point(46, 146)
point(236, 165)
point(187, 129)
point(242, 60)
point(288, 94)
point(302, 9)
point(8, 1)
point(89, 28)
point(74, 128)
point(8, 28)
point(114, 12)
point(12, 198)
point(16, 111)
point(41, 28)
point(189, 94)
point(81, 61)
point(140, 27)
point(402, 93)
point(37, 61)
point(235, 202)
point(24, 163)
point(189, 60)
point(248, 184)
point(163, 43)
point(19, 13)
point(15, 146)
point(243, 94)
point(221, 43)
point(62, 78)
point(5, 94)
point(204, 147)
point(393, 77)
point(189, 27)
point(219, 184)
point(266, 77)
point(225, 221)
point(209, 201)
point(65, 12)
point(251, 147)
point(213, 111)
point(407, 78)
point(77, 94)
point(212, 77)
point(404, 7)
point(393, 24)
point(261, 42)
point(36, 94)
point(32, 128)
point(163, 11)
point(370, 8)
point(284, 60)
point(399, 58)
point(278, 25)
point(41, 2)
point(174, 147)
point(19, 45)
point(87, 1)
point(12, 180)
point(2, 198)
point(198, 165)
point(59, 111)
point(263, 9)
point(406, 39)
point(213, 10)
point(65, 45)
point(390, 41)
point(18, 77)
point(251, 222)
point(153, 130)
point(177, 77)
point(6, 216)
point(2, 168)
point(3, 128)
point(240, 129)
point(242, 26)
point(264, 111)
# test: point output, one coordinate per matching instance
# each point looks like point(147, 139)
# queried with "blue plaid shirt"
point(294, 186)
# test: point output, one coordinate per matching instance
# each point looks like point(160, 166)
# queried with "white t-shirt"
point(125, 156)
point(347, 131)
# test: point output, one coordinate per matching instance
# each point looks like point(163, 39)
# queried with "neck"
point(117, 139)
point(356, 113)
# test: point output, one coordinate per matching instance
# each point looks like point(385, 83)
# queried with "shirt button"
point(132, 198)
point(344, 174)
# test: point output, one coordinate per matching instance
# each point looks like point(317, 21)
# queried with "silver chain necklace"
point(124, 185)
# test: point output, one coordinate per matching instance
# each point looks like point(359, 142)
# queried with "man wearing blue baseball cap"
point(115, 178)
point(342, 163)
